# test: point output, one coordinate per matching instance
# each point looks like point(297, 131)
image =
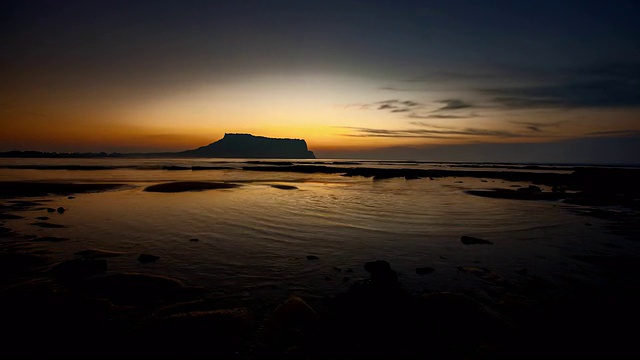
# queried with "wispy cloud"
point(453, 104)
point(537, 126)
point(441, 116)
point(615, 133)
point(429, 131)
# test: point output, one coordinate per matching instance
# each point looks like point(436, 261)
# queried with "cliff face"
point(249, 146)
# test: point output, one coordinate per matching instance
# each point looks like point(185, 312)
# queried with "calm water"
point(253, 240)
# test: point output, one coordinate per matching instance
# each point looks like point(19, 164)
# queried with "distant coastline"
point(232, 145)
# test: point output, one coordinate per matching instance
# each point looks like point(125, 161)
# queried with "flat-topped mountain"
point(250, 146)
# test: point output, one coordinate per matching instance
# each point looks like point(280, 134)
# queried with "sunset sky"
point(403, 79)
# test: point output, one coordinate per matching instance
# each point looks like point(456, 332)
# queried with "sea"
point(261, 243)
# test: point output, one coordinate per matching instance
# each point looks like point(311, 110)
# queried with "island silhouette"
point(232, 145)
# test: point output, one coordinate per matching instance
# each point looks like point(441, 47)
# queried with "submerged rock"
point(61, 210)
point(470, 240)
point(48, 225)
point(381, 273)
point(182, 186)
point(97, 253)
point(312, 257)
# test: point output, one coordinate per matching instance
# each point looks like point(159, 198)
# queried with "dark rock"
point(16, 264)
point(381, 273)
point(147, 258)
point(71, 197)
point(138, 289)
point(42, 218)
point(483, 180)
point(284, 187)
point(47, 225)
point(411, 177)
point(183, 186)
point(77, 269)
point(288, 325)
point(215, 334)
point(194, 240)
point(250, 146)
point(97, 254)
point(10, 216)
point(458, 182)
point(424, 270)
point(175, 168)
point(51, 210)
point(470, 240)
point(61, 210)
point(312, 257)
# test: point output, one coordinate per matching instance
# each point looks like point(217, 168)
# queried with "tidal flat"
point(354, 265)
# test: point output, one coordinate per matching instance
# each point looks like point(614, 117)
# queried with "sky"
point(538, 81)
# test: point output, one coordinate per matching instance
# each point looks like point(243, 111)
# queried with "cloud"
point(453, 104)
point(386, 106)
point(441, 116)
point(635, 133)
point(537, 126)
point(430, 133)
point(399, 110)
point(609, 85)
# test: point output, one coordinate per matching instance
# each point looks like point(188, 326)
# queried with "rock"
point(138, 289)
point(381, 273)
point(42, 218)
point(51, 210)
point(194, 240)
point(60, 210)
point(77, 269)
point(458, 182)
point(335, 268)
point(284, 187)
point(71, 197)
point(16, 264)
point(147, 258)
point(288, 324)
point(10, 216)
point(312, 257)
point(424, 270)
point(97, 253)
point(216, 334)
point(411, 177)
point(182, 186)
point(47, 225)
point(470, 240)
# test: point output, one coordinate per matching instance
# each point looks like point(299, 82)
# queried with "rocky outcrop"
point(250, 146)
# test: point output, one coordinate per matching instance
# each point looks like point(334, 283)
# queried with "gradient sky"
point(389, 79)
